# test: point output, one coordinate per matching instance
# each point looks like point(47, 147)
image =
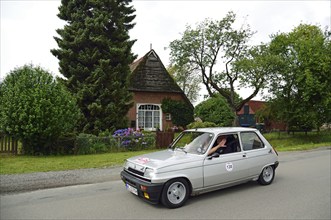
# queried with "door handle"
point(244, 155)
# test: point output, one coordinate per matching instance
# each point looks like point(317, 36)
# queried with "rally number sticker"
point(229, 166)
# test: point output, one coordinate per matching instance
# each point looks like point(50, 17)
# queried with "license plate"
point(132, 189)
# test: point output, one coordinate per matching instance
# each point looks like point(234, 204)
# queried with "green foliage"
point(91, 144)
point(215, 110)
point(201, 125)
point(35, 108)
point(301, 92)
point(217, 44)
point(94, 55)
point(181, 112)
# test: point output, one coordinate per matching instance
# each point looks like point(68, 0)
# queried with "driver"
point(221, 141)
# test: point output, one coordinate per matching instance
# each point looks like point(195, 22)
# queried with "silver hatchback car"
point(199, 161)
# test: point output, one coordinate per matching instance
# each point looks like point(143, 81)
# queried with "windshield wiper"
point(182, 149)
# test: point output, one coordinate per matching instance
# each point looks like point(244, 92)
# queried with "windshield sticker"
point(229, 166)
point(143, 160)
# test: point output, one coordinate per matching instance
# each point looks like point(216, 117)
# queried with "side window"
point(250, 141)
point(231, 144)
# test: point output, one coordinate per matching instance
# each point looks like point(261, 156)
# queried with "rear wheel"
point(175, 193)
point(267, 175)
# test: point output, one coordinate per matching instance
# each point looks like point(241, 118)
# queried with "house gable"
point(149, 75)
point(150, 83)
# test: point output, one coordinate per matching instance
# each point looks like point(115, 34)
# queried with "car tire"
point(267, 175)
point(175, 193)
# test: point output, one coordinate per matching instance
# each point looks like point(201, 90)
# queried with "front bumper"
point(153, 190)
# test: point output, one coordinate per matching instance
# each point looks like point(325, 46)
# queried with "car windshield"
point(193, 142)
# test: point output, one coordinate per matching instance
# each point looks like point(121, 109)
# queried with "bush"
point(36, 109)
point(181, 112)
point(201, 125)
point(130, 139)
point(121, 140)
point(216, 110)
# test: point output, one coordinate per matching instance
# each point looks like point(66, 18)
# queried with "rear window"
point(251, 141)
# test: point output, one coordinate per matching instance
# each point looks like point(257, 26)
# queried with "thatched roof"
point(148, 74)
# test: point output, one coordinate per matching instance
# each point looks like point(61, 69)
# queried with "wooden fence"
point(8, 145)
point(164, 139)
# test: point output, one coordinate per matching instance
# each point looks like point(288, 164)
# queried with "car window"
point(231, 144)
point(193, 142)
point(251, 141)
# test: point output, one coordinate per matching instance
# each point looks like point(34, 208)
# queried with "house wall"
point(249, 120)
point(152, 98)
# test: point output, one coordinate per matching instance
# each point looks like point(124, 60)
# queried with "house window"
point(168, 117)
point(149, 117)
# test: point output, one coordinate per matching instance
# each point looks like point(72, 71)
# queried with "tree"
point(94, 55)
point(187, 79)
point(35, 108)
point(212, 41)
point(301, 90)
point(216, 110)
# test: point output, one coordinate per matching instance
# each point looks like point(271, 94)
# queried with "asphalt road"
point(301, 190)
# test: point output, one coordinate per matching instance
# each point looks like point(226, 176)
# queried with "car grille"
point(136, 171)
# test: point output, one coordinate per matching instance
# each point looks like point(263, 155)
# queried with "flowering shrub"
point(134, 139)
point(123, 139)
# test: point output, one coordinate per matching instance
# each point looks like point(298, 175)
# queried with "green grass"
point(29, 164)
point(299, 140)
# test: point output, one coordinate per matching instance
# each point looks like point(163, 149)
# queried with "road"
point(301, 190)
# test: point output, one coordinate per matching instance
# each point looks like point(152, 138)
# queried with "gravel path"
point(15, 183)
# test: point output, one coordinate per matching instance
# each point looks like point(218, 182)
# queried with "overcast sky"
point(28, 27)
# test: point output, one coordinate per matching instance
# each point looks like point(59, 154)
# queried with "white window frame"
point(168, 117)
point(153, 128)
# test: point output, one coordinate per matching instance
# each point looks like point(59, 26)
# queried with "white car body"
point(193, 168)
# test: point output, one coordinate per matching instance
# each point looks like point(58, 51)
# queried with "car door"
point(256, 154)
point(224, 169)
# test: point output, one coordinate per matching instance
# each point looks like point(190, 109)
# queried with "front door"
point(224, 169)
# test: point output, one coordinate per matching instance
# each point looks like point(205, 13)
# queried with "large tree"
point(94, 56)
point(215, 49)
point(35, 108)
point(301, 91)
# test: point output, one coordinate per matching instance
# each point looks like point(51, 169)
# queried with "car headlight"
point(149, 173)
point(126, 165)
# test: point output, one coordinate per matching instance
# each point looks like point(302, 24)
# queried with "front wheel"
point(267, 175)
point(175, 193)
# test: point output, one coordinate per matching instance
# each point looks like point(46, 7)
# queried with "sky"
point(28, 27)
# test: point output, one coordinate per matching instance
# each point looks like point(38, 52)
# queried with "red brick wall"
point(152, 98)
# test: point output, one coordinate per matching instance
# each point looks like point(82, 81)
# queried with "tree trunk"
point(235, 122)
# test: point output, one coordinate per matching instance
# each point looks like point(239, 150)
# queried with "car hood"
point(164, 158)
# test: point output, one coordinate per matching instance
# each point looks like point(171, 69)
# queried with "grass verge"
point(283, 141)
point(30, 164)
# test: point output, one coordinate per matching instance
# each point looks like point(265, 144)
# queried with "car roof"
point(217, 130)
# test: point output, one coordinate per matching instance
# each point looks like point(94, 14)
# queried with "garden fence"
point(8, 144)
point(164, 139)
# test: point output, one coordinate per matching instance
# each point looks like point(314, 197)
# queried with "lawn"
point(29, 164)
point(299, 140)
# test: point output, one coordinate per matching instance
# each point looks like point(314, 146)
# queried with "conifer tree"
point(94, 55)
